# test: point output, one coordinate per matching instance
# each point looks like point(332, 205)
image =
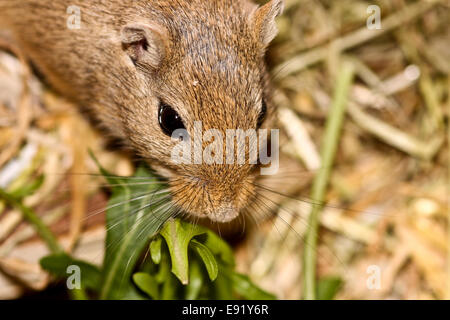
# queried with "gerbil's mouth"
point(218, 202)
point(224, 215)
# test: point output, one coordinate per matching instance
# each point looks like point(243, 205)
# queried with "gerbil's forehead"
point(223, 95)
point(215, 74)
point(215, 69)
point(216, 80)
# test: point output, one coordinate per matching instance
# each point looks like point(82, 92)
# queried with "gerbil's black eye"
point(169, 119)
point(262, 114)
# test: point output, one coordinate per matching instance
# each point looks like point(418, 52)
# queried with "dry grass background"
point(388, 198)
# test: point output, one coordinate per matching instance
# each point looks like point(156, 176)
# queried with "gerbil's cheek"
point(163, 171)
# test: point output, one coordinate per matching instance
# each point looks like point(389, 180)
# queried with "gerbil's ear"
point(264, 21)
point(144, 43)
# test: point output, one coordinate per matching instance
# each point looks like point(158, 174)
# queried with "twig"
point(303, 145)
point(328, 151)
point(29, 214)
point(431, 102)
point(24, 114)
point(77, 182)
point(395, 137)
point(29, 231)
point(357, 37)
point(448, 198)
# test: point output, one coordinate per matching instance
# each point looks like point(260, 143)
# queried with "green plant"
point(151, 255)
point(329, 146)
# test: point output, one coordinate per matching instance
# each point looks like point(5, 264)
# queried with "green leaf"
point(327, 288)
point(155, 250)
point(147, 283)
point(178, 234)
point(195, 281)
point(78, 294)
point(170, 287)
point(112, 179)
point(208, 259)
point(223, 288)
point(58, 263)
point(245, 288)
point(164, 268)
point(137, 211)
point(28, 189)
point(219, 247)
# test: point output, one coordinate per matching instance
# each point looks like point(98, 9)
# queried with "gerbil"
point(148, 67)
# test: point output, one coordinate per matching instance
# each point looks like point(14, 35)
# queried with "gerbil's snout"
point(220, 201)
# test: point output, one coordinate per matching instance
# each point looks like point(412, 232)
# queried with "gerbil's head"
point(199, 65)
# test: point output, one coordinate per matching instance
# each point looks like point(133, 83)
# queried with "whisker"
point(306, 224)
point(129, 215)
point(138, 222)
point(117, 241)
point(138, 237)
point(139, 197)
point(107, 176)
point(319, 203)
point(267, 210)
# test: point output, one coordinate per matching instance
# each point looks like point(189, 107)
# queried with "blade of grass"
point(328, 151)
point(32, 218)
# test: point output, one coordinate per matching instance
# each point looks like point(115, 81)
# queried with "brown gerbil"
point(148, 67)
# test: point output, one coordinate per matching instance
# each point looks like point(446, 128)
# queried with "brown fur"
point(207, 64)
